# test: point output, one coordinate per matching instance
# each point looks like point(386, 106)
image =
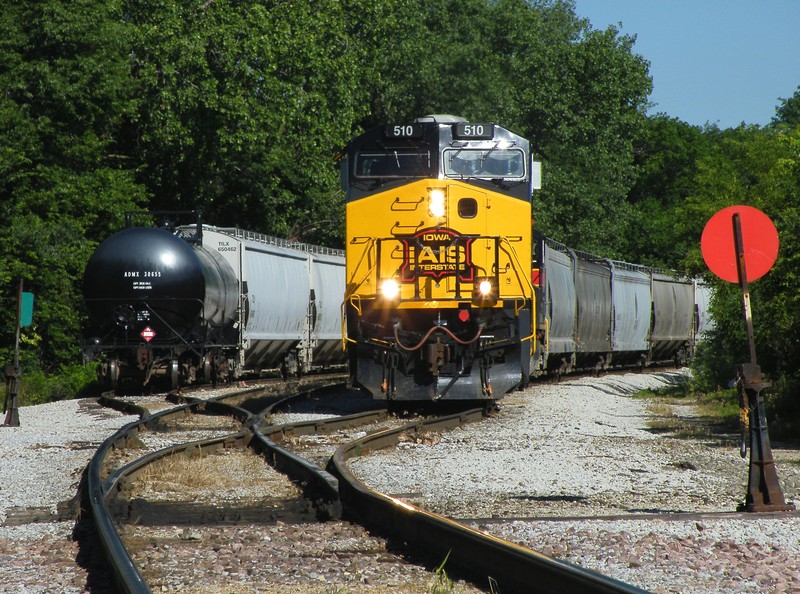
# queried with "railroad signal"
point(759, 247)
point(740, 244)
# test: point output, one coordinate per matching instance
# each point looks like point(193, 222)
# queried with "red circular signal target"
point(759, 242)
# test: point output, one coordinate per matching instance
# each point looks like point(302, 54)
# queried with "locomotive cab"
point(439, 300)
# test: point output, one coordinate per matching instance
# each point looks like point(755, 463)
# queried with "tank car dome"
point(144, 276)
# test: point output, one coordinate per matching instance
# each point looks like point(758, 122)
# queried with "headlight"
point(436, 206)
point(390, 289)
point(485, 292)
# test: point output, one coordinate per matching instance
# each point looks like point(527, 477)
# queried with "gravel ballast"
point(581, 453)
point(606, 489)
point(41, 464)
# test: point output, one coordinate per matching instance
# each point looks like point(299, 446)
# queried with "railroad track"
point(128, 517)
point(240, 432)
point(509, 568)
point(112, 467)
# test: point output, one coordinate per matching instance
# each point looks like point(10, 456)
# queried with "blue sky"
point(718, 61)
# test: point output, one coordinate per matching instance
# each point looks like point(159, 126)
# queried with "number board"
point(404, 131)
point(467, 131)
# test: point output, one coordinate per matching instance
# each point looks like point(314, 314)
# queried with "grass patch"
point(719, 410)
point(441, 584)
point(209, 476)
point(709, 412)
point(70, 381)
point(722, 406)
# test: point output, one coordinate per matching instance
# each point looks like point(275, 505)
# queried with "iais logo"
point(437, 253)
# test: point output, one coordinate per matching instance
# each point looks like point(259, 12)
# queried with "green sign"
point(26, 310)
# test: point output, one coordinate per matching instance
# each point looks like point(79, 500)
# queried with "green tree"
point(667, 160)
point(580, 95)
point(788, 112)
point(64, 181)
point(757, 167)
point(244, 106)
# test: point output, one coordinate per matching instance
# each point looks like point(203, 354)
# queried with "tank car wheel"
point(175, 374)
point(112, 375)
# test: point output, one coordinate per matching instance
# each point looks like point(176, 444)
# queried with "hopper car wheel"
point(175, 374)
point(207, 368)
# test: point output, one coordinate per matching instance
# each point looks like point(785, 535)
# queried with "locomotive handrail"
point(349, 292)
point(546, 334)
point(513, 253)
point(353, 286)
point(343, 320)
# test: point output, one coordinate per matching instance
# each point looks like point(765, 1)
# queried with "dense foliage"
point(240, 108)
point(64, 181)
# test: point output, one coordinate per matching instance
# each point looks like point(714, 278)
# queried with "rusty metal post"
point(763, 487)
point(764, 492)
point(12, 374)
point(741, 271)
point(11, 402)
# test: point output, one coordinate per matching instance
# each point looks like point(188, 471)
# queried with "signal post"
point(725, 239)
point(13, 372)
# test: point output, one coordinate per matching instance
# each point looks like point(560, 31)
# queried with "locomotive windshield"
point(394, 163)
point(489, 163)
point(439, 148)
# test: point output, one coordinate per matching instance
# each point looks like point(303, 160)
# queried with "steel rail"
point(513, 568)
point(126, 574)
point(318, 484)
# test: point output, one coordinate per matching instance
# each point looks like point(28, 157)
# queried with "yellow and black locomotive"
point(439, 301)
